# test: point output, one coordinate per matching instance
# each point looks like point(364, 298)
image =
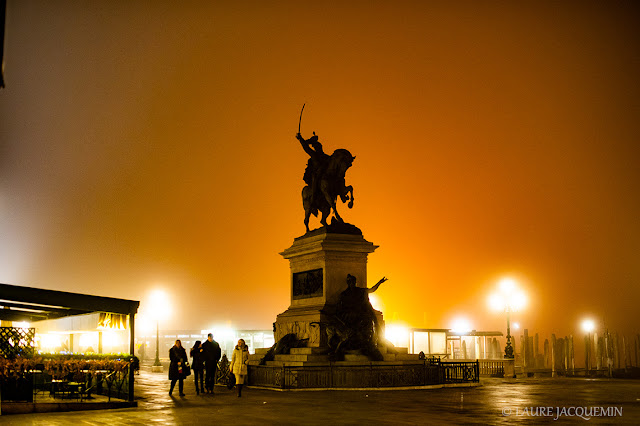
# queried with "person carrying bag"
point(178, 367)
point(238, 364)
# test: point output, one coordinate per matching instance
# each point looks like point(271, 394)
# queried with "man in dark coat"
point(211, 355)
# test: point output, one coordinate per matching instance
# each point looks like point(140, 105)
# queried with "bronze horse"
point(331, 185)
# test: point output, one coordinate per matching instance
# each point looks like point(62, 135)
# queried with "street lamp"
point(508, 298)
point(159, 308)
point(588, 326)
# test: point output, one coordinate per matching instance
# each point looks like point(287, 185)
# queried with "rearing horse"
point(331, 185)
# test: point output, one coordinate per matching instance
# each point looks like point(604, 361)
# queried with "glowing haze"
point(150, 144)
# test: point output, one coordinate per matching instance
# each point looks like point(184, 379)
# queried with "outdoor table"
point(57, 386)
point(75, 388)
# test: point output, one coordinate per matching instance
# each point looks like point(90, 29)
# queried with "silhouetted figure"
point(141, 351)
point(197, 364)
point(211, 354)
point(178, 357)
point(356, 325)
point(283, 346)
point(316, 165)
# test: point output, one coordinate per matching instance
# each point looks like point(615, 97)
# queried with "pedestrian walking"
point(211, 355)
point(177, 369)
point(197, 364)
point(238, 364)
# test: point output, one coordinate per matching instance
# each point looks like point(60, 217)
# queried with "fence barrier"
point(364, 376)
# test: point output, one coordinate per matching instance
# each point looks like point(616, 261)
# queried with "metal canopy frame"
point(36, 304)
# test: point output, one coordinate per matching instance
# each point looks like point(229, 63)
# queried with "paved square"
point(497, 401)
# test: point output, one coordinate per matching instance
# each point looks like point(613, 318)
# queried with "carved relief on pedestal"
point(307, 284)
point(303, 330)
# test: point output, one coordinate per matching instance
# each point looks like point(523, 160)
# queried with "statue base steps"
point(313, 357)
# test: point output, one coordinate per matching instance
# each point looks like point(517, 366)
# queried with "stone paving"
point(497, 401)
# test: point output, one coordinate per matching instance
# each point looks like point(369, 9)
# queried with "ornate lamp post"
point(159, 307)
point(508, 349)
point(509, 299)
point(588, 326)
point(156, 363)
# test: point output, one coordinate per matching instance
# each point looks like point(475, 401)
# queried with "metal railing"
point(363, 376)
point(494, 368)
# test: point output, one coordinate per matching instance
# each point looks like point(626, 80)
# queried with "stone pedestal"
point(320, 262)
point(509, 368)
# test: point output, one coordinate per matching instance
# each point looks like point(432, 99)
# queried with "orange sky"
point(151, 143)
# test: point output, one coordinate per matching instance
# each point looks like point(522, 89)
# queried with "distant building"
point(227, 339)
point(90, 333)
point(451, 344)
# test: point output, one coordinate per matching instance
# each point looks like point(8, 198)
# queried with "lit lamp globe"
point(588, 326)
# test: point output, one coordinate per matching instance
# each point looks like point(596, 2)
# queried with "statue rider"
point(316, 165)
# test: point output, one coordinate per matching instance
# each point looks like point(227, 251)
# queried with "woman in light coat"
point(238, 364)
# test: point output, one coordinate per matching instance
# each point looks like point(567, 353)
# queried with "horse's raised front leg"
point(350, 190)
point(335, 212)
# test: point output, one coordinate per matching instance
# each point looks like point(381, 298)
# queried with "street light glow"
point(588, 325)
point(397, 334)
point(507, 285)
point(223, 333)
point(159, 305)
point(159, 308)
point(509, 297)
point(461, 326)
point(376, 302)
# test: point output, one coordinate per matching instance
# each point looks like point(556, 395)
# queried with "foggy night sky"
point(151, 144)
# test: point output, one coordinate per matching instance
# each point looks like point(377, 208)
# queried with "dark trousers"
point(198, 375)
point(180, 385)
point(210, 376)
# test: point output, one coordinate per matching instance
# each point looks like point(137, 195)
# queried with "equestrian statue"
point(324, 178)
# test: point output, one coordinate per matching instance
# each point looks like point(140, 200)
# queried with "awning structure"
point(36, 304)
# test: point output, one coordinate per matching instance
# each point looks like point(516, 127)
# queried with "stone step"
point(327, 364)
point(308, 351)
point(379, 363)
point(302, 358)
point(356, 358)
point(285, 363)
point(401, 357)
point(261, 351)
point(407, 357)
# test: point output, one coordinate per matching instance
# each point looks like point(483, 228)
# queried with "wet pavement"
point(497, 401)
